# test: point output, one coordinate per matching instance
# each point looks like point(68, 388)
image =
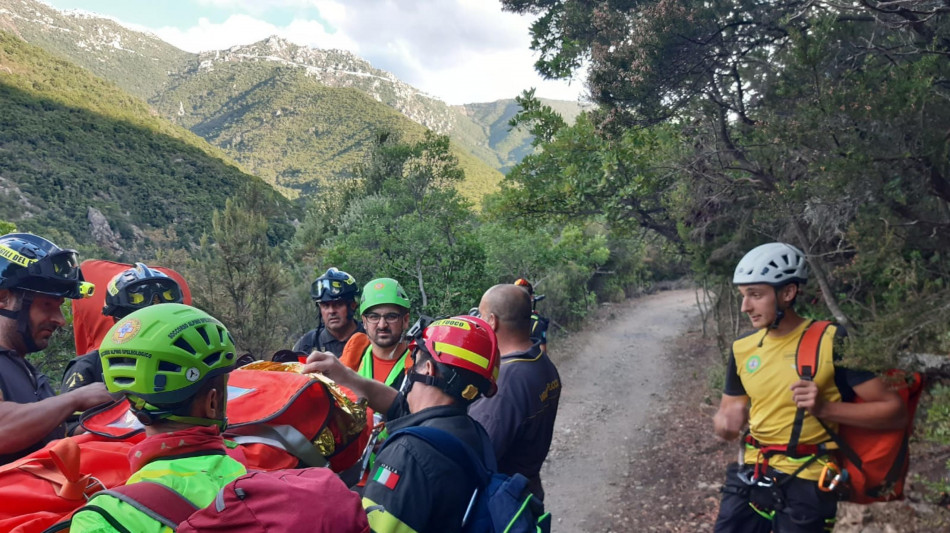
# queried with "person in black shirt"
point(336, 294)
point(415, 487)
point(520, 418)
point(35, 278)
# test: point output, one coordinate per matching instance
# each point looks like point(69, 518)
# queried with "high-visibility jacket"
point(197, 476)
point(396, 375)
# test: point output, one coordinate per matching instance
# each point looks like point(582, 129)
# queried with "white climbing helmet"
point(775, 263)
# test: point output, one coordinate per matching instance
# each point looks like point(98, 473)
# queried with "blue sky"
point(461, 51)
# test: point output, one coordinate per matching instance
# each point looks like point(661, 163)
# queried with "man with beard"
point(335, 294)
point(384, 307)
point(35, 278)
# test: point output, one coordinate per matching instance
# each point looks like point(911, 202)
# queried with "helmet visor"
point(153, 291)
point(327, 289)
point(62, 265)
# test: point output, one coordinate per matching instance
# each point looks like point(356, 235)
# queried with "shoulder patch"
point(386, 477)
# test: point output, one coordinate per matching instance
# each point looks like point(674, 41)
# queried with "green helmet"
point(383, 291)
point(161, 355)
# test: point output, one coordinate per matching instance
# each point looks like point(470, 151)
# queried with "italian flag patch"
point(386, 477)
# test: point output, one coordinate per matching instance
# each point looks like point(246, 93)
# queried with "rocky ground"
point(633, 449)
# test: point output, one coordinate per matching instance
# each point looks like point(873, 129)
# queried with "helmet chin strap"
point(779, 315)
point(22, 317)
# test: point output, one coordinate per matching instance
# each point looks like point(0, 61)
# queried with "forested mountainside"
point(137, 62)
point(487, 134)
point(149, 68)
point(86, 163)
point(288, 128)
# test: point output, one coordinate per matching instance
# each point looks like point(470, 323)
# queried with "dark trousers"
point(798, 504)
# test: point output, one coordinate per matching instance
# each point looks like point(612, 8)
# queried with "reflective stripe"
point(462, 353)
point(382, 521)
point(366, 366)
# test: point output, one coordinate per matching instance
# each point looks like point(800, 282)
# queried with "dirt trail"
point(617, 372)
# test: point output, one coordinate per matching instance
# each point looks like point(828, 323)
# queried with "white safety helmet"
point(775, 263)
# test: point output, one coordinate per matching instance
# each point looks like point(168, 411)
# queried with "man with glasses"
point(335, 294)
point(35, 277)
point(384, 307)
point(133, 289)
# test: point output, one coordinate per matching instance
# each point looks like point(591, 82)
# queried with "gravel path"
point(613, 376)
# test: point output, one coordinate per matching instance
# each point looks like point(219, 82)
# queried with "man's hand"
point(379, 395)
point(731, 418)
point(327, 364)
point(806, 396)
point(89, 396)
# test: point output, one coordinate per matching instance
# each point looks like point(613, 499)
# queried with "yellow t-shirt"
point(767, 373)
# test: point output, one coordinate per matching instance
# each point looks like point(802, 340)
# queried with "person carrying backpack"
point(128, 291)
point(172, 362)
point(519, 419)
point(775, 488)
point(539, 323)
point(335, 293)
point(416, 486)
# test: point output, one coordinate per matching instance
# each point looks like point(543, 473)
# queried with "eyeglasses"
point(155, 291)
point(373, 318)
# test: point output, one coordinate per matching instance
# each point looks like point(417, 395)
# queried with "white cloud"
point(460, 51)
point(244, 29)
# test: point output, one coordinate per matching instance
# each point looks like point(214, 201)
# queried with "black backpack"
point(500, 502)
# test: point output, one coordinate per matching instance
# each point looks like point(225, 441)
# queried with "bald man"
point(520, 418)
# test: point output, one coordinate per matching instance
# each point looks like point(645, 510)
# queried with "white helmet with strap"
point(775, 263)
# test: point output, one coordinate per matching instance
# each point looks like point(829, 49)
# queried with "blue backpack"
point(501, 503)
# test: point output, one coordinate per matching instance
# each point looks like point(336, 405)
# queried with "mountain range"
point(88, 165)
point(297, 117)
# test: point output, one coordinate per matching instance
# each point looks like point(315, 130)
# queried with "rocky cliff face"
point(102, 233)
point(339, 68)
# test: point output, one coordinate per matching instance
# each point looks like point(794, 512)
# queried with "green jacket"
point(198, 478)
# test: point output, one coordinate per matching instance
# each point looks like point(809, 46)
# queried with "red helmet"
point(521, 282)
point(466, 343)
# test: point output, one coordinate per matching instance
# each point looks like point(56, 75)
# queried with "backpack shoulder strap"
point(158, 501)
point(806, 364)
point(806, 361)
point(457, 450)
point(809, 347)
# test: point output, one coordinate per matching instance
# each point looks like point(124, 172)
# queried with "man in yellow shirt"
point(763, 389)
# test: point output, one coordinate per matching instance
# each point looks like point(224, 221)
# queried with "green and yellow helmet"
point(160, 356)
point(383, 291)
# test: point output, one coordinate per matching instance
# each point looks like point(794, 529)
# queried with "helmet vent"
point(166, 366)
point(184, 345)
point(123, 381)
point(212, 359)
point(204, 335)
point(117, 362)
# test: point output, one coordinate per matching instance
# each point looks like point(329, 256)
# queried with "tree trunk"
point(422, 289)
point(818, 272)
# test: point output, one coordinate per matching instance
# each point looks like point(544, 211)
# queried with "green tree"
point(815, 123)
point(412, 225)
point(237, 275)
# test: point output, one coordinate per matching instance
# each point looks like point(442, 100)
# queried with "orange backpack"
point(876, 459)
point(281, 419)
point(41, 489)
